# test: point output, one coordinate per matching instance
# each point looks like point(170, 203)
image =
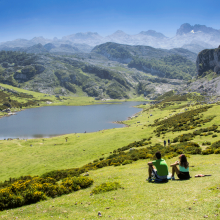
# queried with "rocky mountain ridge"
point(208, 74)
point(208, 60)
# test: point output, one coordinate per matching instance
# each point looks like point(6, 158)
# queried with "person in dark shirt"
point(164, 142)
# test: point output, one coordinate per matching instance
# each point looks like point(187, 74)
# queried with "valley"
point(86, 175)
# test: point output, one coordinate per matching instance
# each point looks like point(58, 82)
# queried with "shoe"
point(172, 178)
point(149, 179)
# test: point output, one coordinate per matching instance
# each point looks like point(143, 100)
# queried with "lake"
point(57, 120)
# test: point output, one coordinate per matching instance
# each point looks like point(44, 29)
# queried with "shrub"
point(206, 143)
point(208, 151)
point(216, 145)
point(127, 162)
point(214, 135)
point(105, 187)
point(179, 151)
point(61, 174)
point(217, 151)
point(32, 190)
point(183, 121)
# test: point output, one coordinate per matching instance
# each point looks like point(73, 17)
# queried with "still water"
point(56, 120)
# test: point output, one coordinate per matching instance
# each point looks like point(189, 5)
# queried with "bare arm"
point(176, 163)
point(150, 163)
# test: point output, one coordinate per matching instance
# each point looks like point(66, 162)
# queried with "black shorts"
point(183, 175)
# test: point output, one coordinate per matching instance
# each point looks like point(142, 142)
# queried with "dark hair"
point(158, 155)
point(183, 161)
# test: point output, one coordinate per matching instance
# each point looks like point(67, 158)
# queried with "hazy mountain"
point(153, 34)
point(90, 38)
point(124, 53)
point(192, 37)
point(194, 47)
point(49, 46)
point(187, 28)
point(118, 36)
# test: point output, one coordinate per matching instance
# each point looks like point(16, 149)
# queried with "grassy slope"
point(139, 199)
point(65, 100)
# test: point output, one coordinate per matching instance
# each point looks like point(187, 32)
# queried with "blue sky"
point(56, 18)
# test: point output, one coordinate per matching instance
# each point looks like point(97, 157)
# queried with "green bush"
point(217, 151)
point(32, 190)
point(105, 187)
point(127, 162)
point(61, 174)
point(184, 122)
point(216, 145)
point(207, 151)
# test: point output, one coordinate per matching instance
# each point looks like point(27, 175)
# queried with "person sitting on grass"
point(161, 170)
point(183, 171)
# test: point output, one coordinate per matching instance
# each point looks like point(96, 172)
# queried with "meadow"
point(197, 198)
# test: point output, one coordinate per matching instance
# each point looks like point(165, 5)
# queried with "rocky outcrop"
point(208, 60)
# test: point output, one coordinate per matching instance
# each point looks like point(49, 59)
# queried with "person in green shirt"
point(161, 170)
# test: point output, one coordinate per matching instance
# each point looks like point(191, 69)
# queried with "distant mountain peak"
point(152, 33)
point(83, 36)
point(40, 37)
point(119, 32)
point(187, 28)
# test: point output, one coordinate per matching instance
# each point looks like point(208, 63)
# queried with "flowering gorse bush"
point(32, 190)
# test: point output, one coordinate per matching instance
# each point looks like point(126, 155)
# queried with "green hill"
point(172, 64)
point(92, 75)
point(62, 75)
point(198, 198)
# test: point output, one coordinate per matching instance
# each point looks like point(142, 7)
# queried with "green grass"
point(139, 199)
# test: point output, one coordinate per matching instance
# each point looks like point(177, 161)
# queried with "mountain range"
point(192, 37)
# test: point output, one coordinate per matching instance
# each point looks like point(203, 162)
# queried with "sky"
point(57, 18)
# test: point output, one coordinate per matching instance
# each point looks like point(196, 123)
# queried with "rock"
point(99, 214)
point(8, 110)
point(86, 174)
point(208, 60)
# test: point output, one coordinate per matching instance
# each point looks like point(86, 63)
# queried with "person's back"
point(161, 170)
point(161, 166)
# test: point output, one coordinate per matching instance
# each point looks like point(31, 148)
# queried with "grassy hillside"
point(137, 199)
point(93, 74)
point(17, 99)
point(170, 64)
